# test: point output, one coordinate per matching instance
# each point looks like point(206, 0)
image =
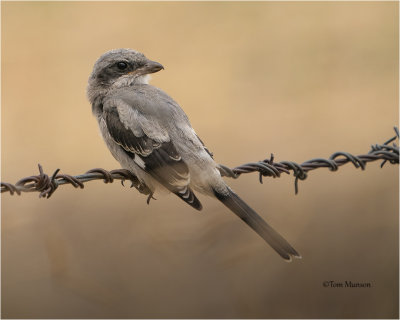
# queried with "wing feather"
point(157, 156)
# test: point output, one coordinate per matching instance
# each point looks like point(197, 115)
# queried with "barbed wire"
point(46, 185)
point(268, 168)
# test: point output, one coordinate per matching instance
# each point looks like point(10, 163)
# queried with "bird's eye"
point(122, 65)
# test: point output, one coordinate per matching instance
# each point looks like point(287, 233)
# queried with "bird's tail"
point(249, 216)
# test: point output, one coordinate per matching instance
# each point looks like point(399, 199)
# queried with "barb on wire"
point(46, 185)
point(383, 152)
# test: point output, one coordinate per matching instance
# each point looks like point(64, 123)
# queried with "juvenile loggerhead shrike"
point(150, 135)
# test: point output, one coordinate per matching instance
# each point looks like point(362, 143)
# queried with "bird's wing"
point(148, 144)
point(205, 148)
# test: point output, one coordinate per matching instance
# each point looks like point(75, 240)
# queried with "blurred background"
point(300, 80)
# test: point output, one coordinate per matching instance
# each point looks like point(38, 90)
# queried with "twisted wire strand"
point(47, 185)
point(383, 152)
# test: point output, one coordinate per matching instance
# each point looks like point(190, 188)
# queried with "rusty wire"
point(46, 185)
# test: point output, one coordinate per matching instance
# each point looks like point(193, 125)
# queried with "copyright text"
point(345, 284)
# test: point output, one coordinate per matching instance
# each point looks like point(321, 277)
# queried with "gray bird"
point(150, 135)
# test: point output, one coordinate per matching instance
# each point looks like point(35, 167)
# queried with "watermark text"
point(346, 284)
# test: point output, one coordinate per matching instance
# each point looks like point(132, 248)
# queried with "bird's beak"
point(151, 67)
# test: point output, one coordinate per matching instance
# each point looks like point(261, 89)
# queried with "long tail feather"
point(253, 220)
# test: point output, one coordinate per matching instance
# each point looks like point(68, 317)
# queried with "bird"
point(149, 134)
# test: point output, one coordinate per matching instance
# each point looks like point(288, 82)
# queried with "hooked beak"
point(151, 67)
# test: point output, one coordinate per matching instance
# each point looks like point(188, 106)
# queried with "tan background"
point(301, 80)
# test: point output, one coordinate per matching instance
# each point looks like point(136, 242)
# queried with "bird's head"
point(120, 68)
